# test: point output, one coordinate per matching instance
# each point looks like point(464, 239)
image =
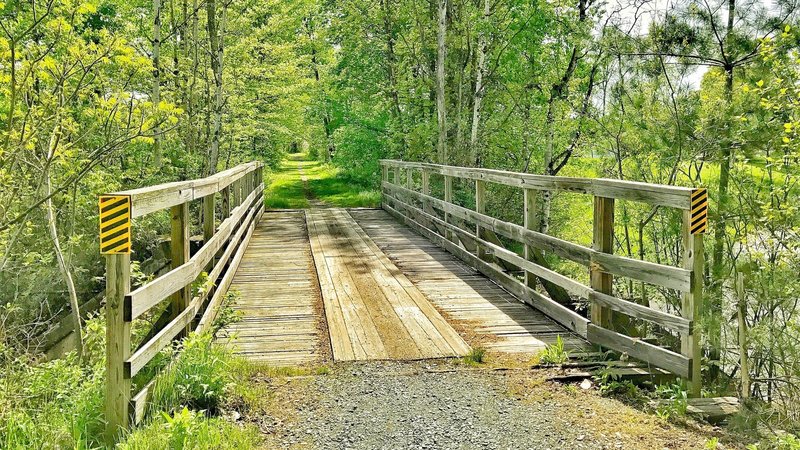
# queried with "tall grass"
point(59, 404)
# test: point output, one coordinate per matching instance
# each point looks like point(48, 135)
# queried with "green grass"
point(324, 183)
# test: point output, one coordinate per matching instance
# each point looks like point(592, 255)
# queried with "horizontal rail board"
point(632, 309)
point(654, 194)
point(152, 293)
point(653, 273)
point(641, 350)
point(561, 314)
point(154, 198)
point(209, 315)
point(149, 350)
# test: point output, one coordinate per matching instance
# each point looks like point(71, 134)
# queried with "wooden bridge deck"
point(282, 322)
point(486, 314)
point(362, 286)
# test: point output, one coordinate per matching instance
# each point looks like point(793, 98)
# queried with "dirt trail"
point(314, 202)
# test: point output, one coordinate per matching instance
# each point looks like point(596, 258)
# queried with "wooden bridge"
point(422, 277)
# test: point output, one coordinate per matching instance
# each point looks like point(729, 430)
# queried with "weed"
point(610, 383)
point(227, 315)
point(554, 353)
point(675, 400)
point(475, 356)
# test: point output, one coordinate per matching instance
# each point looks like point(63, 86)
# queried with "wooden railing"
point(241, 191)
point(442, 221)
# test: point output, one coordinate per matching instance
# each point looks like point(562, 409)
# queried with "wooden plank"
point(181, 276)
point(182, 321)
point(654, 194)
point(340, 339)
point(657, 274)
point(639, 349)
point(568, 318)
point(480, 208)
point(209, 220)
point(530, 222)
point(209, 315)
point(429, 320)
point(384, 314)
point(118, 347)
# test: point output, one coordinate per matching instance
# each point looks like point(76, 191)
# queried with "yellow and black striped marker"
point(115, 224)
point(699, 216)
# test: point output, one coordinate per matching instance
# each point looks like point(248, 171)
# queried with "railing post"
point(530, 223)
point(179, 253)
point(225, 196)
point(237, 192)
point(426, 190)
point(603, 241)
point(480, 208)
point(693, 260)
point(118, 346)
point(448, 198)
point(209, 221)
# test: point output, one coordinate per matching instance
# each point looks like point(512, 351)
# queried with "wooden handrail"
point(241, 191)
point(654, 194)
point(155, 198)
point(438, 219)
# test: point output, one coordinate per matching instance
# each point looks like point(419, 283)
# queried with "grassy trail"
point(302, 183)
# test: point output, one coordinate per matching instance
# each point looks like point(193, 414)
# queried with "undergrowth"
point(59, 404)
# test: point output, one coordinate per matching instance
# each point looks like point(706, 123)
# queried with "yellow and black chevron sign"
point(115, 224)
point(699, 216)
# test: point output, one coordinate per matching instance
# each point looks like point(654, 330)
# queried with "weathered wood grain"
point(490, 316)
point(374, 311)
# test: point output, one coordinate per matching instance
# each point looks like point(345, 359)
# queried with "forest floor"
point(449, 404)
point(302, 182)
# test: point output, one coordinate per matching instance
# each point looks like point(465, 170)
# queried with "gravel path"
point(433, 405)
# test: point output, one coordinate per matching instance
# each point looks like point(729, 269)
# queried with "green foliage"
point(186, 429)
point(675, 400)
point(57, 404)
point(200, 377)
point(475, 356)
point(554, 353)
point(323, 183)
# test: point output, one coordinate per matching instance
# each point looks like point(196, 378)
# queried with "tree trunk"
point(326, 121)
point(215, 42)
point(156, 80)
point(53, 229)
point(441, 54)
point(480, 89)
